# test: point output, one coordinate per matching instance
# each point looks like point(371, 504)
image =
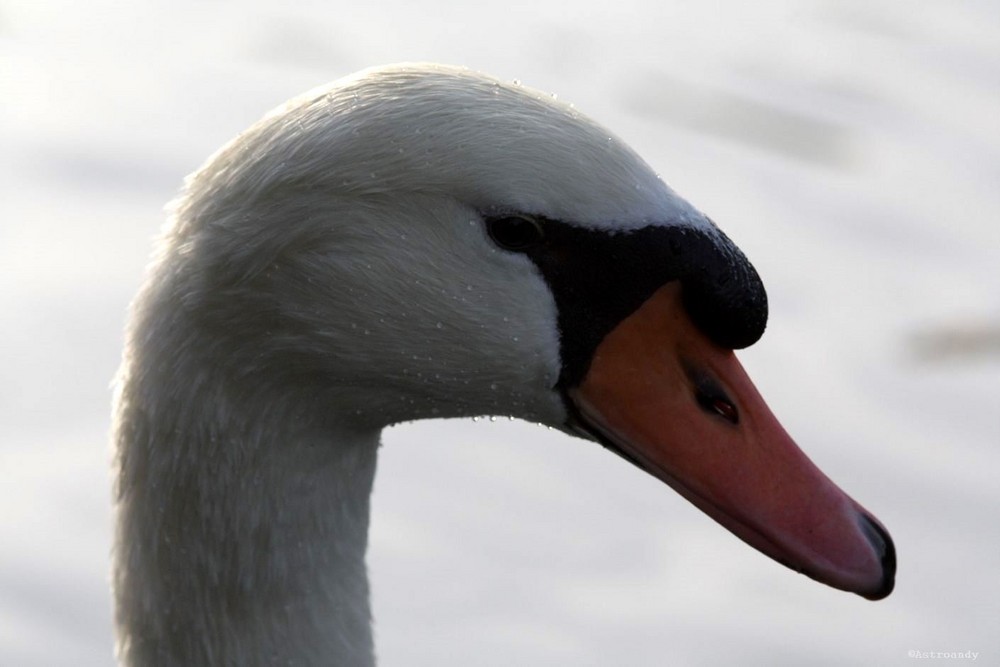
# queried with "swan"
point(422, 241)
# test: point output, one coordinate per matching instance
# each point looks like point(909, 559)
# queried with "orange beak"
point(664, 396)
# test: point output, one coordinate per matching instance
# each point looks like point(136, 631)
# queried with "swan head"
point(425, 241)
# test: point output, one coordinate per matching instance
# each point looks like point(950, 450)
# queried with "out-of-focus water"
point(851, 148)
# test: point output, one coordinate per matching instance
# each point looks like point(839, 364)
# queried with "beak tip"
point(880, 540)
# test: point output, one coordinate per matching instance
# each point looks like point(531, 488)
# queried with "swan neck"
point(242, 530)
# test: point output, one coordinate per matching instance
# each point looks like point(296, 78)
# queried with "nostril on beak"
point(880, 540)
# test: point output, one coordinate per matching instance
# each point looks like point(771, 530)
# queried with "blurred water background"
point(851, 148)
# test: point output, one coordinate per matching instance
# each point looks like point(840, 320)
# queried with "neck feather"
point(242, 526)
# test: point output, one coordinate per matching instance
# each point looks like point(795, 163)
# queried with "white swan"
point(423, 241)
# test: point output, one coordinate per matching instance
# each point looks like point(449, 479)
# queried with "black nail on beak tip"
point(887, 552)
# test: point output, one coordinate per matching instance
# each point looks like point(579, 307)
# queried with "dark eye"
point(714, 401)
point(515, 232)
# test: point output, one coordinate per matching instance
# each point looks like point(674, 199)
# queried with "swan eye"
point(515, 232)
